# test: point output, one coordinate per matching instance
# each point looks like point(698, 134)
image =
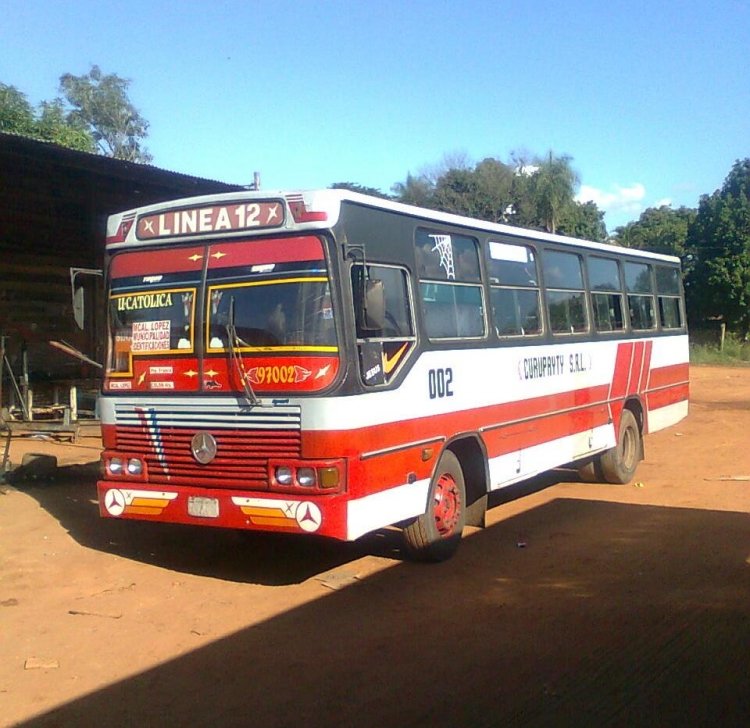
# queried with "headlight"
point(115, 466)
point(284, 475)
point(306, 477)
point(135, 466)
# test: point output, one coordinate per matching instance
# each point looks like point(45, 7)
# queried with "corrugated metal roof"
point(100, 162)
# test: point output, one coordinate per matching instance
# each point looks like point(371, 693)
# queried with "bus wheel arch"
point(472, 455)
point(619, 464)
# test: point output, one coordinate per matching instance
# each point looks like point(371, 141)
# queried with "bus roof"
point(321, 208)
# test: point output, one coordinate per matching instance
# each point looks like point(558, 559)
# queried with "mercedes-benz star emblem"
point(203, 446)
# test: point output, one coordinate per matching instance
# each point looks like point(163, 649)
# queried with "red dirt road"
point(579, 605)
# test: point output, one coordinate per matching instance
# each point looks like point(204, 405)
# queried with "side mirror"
point(77, 291)
point(374, 313)
point(79, 307)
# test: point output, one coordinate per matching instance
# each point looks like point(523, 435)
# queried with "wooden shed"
point(54, 203)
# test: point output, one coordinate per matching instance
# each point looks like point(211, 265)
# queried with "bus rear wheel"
point(436, 534)
point(618, 465)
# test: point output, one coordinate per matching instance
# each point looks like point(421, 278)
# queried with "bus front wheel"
point(618, 465)
point(435, 535)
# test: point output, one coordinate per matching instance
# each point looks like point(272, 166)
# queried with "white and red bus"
point(330, 363)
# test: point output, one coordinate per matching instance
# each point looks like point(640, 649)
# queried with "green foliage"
point(554, 185)
point(415, 190)
point(99, 102)
point(583, 220)
point(537, 194)
point(735, 352)
point(658, 229)
point(48, 122)
point(55, 126)
point(483, 192)
point(16, 114)
point(720, 241)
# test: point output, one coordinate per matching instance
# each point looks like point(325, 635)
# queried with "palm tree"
point(555, 182)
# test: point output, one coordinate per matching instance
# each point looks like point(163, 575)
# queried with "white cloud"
point(619, 200)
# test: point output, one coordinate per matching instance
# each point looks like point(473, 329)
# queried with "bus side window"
point(606, 294)
point(565, 292)
point(398, 319)
point(668, 293)
point(640, 290)
point(383, 351)
point(450, 285)
point(515, 290)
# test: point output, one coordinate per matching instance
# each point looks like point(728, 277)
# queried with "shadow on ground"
point(69, 494)
point(613, 615)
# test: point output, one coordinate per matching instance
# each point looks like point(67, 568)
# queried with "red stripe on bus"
point(665, 376)
point(667, 396)
point(380, 437)
point(636, 365)
point(622, 370)
point(646, 371)
point(259, 252)
point(153, 262)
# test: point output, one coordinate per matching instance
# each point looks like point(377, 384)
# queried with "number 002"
point(440, 382)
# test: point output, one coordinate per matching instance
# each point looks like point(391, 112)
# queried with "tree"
point(99, 102)
point(53, 125)
point(537, 194)
point(49, 122)
point(554, 186)
point(658, 229)
point(415, 190)
point(720, 241)
point(583, 220)
point(16, 114)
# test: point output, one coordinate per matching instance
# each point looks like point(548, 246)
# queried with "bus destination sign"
point(211, 219)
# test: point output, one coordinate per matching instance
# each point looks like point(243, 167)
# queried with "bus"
point(326, 362)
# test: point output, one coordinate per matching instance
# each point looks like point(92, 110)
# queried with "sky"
point(651, 100)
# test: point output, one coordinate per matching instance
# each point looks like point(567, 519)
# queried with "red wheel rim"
point(447, 505)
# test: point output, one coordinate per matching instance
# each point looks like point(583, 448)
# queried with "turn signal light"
point(328, 477)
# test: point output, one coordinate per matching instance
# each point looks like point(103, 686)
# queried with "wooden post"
point(2, 371)
point(723, 329)
point(73, 403)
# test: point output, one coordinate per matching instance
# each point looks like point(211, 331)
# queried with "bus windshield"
point(178, 316)
point(291, 314)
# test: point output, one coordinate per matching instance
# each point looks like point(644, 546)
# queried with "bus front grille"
point(245, 442)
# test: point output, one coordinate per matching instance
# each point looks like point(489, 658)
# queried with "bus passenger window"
point(606, 294)
point(451, 294)
point(515, 290)
point(565, 293)
point(640, 296)
point(668, 291)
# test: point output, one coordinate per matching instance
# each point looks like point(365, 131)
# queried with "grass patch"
point(734, 353)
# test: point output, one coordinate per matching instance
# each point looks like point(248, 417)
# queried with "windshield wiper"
point(234, 343)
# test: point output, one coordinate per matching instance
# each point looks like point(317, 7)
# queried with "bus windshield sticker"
point(444, 247)
point(151, 335)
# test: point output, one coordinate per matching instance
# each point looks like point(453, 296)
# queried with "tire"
point(591, 471)
point(436, 534)
point(619, 464)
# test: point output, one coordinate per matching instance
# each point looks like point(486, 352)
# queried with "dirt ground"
point(579, 605)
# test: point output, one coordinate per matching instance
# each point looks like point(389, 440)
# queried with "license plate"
point(203, 507)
